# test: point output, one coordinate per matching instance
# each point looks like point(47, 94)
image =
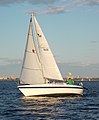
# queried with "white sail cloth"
point(48, 63)
point(31, 69)
point(34, 70)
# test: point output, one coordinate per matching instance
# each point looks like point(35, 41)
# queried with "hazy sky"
point(70, 26)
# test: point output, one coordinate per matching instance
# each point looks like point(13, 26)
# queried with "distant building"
point(8, 77)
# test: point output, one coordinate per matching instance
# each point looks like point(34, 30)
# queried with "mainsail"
point(49, 66)
point(31, 69)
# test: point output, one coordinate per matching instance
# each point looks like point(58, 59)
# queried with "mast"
point(33, 15)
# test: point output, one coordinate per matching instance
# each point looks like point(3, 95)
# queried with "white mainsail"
point(31, 69)
point(49, 66)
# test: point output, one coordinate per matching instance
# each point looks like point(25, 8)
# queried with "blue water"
point(13, 106)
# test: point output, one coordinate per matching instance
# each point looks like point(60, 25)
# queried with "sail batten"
point(48, 63)
point(30, 68)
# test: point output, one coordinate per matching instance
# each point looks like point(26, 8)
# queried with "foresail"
point(48, 63)
point(31, 69)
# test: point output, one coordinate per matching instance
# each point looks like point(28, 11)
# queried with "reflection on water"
point(46, 107)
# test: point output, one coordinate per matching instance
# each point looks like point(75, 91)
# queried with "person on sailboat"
point(70, 81)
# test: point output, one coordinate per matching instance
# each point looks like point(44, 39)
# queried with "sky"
point(70, 26)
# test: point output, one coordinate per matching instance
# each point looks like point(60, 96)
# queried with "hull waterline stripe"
point(50, 87)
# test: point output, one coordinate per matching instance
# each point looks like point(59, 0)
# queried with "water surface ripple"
point(13, 106)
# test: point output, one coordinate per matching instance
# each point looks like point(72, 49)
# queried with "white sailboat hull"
point(50, 90)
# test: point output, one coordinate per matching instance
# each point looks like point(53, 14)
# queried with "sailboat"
point(40, 75)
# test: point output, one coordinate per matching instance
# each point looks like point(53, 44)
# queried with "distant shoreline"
point(7, 79)
point(84, 79)
point(1, 79)
point(76, 79)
